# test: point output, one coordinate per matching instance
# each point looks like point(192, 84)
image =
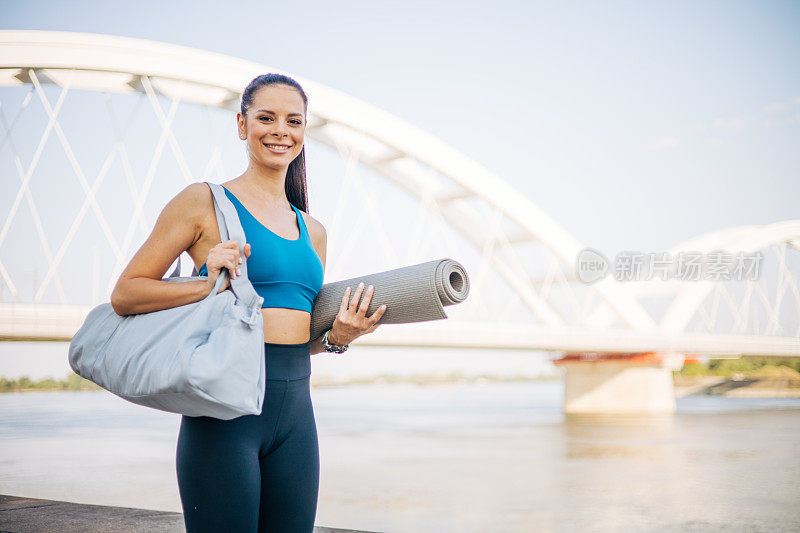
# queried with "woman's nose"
point(279, 128)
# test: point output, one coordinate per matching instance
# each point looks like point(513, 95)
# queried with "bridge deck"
point(19, 514)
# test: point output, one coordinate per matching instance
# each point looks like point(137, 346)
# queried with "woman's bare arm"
point(140, 288)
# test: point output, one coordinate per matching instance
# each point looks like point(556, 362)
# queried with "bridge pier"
point(618, 383)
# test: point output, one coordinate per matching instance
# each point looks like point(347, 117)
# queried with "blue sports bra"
point(286, 273)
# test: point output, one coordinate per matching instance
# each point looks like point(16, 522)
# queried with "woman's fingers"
point(362, 309)
point(351, 322)
point(224, 259)
point(231, 258)
point(377, 314)
point(365, 303)
point(233, 246)
point(357, 295)
point(343, 305)
point(237, 259)
point(229, 263)
point(353, 308)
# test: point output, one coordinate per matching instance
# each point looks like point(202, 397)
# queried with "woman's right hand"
point(224, 255)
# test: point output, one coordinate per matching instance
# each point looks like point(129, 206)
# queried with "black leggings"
point(255, 472)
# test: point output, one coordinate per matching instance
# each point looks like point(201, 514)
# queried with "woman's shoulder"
point(195, 203)
point(198, 191)
point(195, 200)
point(190, 202)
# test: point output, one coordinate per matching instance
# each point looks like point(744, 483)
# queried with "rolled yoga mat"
point(415, 293)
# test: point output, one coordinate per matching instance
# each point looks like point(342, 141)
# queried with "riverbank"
point(74, 382)
point(25, 384)
point(755, 378)
point(768, 381)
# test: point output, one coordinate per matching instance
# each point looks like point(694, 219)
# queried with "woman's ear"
point(240, 126)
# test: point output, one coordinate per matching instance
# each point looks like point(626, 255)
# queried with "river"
point(438, 458)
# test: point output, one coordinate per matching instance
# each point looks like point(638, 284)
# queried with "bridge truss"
point(390, 194)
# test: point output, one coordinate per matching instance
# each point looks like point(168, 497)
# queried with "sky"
point(635, 125)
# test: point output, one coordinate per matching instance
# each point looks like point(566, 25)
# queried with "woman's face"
point(275, 125)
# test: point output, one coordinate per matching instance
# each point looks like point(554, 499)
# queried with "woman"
point(254, 472)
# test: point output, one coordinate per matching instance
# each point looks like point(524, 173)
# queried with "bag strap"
point(228, 221)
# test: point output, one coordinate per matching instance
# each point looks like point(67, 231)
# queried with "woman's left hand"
point(352, 322)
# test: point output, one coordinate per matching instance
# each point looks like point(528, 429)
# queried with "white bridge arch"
point(488, 213)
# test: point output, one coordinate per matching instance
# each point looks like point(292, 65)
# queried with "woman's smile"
point(277, 148)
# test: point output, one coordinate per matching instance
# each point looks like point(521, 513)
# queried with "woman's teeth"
point(277, 147)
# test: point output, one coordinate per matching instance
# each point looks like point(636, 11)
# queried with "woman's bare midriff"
point(286, 326)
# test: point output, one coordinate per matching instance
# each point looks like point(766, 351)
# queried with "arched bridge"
point(103, 130)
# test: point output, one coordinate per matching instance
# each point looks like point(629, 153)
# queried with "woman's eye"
point(292, 121)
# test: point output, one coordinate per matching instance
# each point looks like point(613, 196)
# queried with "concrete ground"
point(29, 515)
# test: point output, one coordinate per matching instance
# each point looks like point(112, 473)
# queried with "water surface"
point(469, 457)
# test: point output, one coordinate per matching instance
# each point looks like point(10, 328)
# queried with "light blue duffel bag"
point(201, 359)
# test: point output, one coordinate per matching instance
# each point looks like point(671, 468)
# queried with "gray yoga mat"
point(415, 293)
